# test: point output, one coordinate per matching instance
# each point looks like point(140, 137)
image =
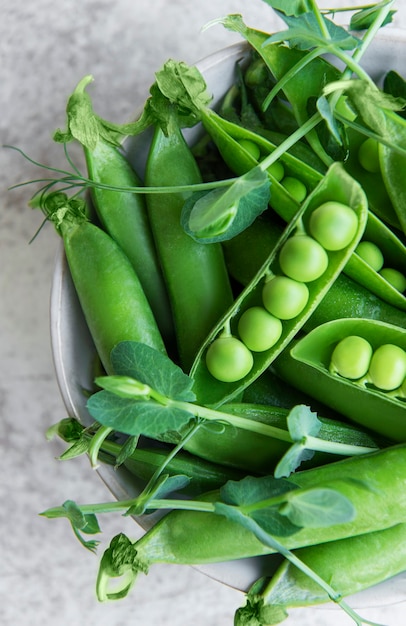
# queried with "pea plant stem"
point(312, 443)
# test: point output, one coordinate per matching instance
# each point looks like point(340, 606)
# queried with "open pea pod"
point(306, 365)
point(394, 253)
point(372, 182)
point(337, 185)
point(227, 137)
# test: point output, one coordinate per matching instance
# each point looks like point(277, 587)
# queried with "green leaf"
point(184, 86)
point(363, 19)
point(304, 33)
point(274, 523)
point(302, 421)
point(163, 487)
point(222, 214)
point(290, 7)
point(252, 490)
point(292, 459)
point(395, 85)
point(326, 112)
point(316, 508)
point(82, 523)
point(136, 417)
point(147, 365)
point(126, 450)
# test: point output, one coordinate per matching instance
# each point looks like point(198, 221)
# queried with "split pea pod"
point(378, 495)
point(247, 252)
point(235, 144)
point(349, 565)
point(195, 274)
point(307, 365)
point(124, 216)
point(229, 138)
point(263, 292)
point(109, 291)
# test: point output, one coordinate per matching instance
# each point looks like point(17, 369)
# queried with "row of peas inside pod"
point(383, 367)
point(374, 257)
point(302, 259)
point(293, 185)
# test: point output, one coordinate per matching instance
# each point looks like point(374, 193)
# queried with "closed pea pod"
point(109, 291)
point(307, 366)
point(195, 273)
point(349, 565)
point(121, 213)
point(197, 537)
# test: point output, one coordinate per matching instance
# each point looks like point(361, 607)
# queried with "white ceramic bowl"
point(73, 349)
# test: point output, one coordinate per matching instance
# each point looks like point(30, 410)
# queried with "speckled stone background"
point(47, 578)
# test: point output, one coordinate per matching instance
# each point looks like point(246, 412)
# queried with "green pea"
point(277, 170)
point(387, 369)
point(351, 357)
point(368, 155)
point(295, 187)
point(371, 254)
point(303, 258)
point(395, 278)
point(228, 359)
point(258, 329)
point(251, 147)
point(334, 225)
point(284, 297)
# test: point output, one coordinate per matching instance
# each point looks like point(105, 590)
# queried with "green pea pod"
point(145, 461)
point(394, 253)
point(227, 137)
point(110, 294)
point(306, 365)
point(372, 182)
point(195, 274)
point(350, 565)
point(124, 216)
point(374, 483)
point(336, 185)
point(361, 292)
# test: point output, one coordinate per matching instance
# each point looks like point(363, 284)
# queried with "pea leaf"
point(274, 522)
point(183, 85)
point(164, 486)
point(253, 489)
point(363, 19)
point(304, 33)
point(290, 7)
point(135, 417)
point(302, 421)
point(147, 365)
point(82, 523)
point(222, 214)
point(395, 85)
point(296, 454)
point(316, 508)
